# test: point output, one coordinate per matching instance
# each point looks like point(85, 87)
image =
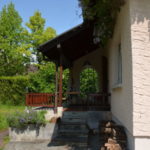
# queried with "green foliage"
point(88, 82)
point(14, 53)
point(16, 46)
point(103, 13)
point(13, 89)
point(6, 139)
point(6, 110)
point(43, 81)
point(22, 120)
point(38, 33)
point(3, 122)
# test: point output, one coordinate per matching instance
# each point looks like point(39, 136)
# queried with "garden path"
point(37, 145)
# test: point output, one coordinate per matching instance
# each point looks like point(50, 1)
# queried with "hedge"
point(13, 89)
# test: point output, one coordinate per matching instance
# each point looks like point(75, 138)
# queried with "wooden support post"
point(60, 73)
point(56, 90)
point(60, 84)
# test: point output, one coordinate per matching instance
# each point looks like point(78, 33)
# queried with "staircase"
point(73, 130)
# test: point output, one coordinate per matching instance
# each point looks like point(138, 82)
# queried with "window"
point(119, 66)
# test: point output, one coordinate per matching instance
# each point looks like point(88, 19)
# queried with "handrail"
point(40, 99)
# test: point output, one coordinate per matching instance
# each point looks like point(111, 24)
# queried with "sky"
point(61, 15)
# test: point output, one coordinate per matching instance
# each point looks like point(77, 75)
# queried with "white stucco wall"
point(121, 96)
point(130, 103)
point(140, 23)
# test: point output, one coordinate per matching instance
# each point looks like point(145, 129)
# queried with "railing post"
point(27, 96)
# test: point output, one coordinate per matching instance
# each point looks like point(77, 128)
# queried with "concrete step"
point(74, 120)
point(75, 135)
point(73, 127)
point(73, 114)
point(73, 123)
point(71, 131)
point(73, 141)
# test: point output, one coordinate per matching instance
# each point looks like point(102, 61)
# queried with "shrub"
point(22, 120)
point(13, 89)
point(43, 80)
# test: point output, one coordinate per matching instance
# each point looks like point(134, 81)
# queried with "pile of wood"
point(113, 136)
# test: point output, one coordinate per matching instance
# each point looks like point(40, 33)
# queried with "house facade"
point(123, 67)
point(130, 98)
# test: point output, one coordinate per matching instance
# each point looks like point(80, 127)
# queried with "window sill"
point(117, 86)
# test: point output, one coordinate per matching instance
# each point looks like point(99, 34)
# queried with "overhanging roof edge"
point(56, 40)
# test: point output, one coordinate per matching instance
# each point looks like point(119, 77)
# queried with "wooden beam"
point(60, 84)
point(56, 90)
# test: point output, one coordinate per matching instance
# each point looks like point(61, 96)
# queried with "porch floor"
point(87, 108)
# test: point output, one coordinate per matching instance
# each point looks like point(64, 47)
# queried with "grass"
point(6, 139)
point(5, 110)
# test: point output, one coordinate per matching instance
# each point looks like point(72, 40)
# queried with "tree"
point(38, 33)
point(14, 53)
point(43, 80)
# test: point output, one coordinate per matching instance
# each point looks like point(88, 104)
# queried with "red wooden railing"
point(48, 100)
point(40, 99)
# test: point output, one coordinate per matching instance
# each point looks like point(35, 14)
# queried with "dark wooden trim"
point(64, 36)
point(56, 89)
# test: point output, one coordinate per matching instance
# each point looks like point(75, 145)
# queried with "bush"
point(22, 120)
point(43, 80)
point(13, 89)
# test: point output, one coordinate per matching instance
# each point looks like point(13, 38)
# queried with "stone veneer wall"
point(140, 27)
point(130, 101)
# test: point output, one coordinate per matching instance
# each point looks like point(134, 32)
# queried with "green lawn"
point(5, 110)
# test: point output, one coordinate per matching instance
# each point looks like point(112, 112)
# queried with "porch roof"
point(70, 46)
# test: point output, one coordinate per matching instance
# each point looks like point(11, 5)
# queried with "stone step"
point(76, 135)
point(74, 120)
point(80, 148)
point(78, 141)
point(73, 114)
point(73, 127)
point(73, 135)
point(71, 131)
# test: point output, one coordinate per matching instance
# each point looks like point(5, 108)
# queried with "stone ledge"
point(33, 133)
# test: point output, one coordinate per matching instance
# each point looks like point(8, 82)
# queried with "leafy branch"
point(103, 13)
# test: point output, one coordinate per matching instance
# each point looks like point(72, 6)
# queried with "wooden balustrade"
point(40, 99)
point(48, 100)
